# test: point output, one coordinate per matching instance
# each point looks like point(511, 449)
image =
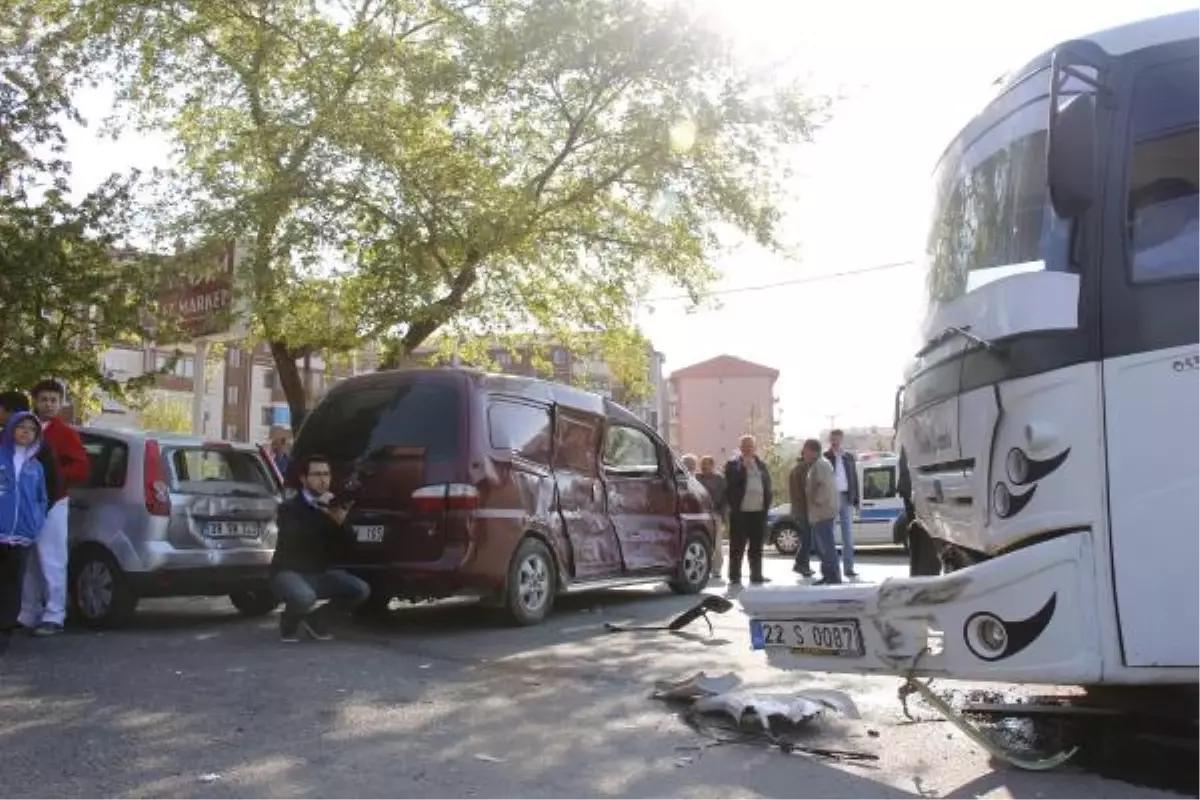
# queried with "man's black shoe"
point(759, 581)
point(289, 628)
point(316, 625)
point(827, 582)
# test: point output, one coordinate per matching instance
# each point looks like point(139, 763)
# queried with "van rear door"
point(398, 448)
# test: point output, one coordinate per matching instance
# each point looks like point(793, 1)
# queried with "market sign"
point(200, 303)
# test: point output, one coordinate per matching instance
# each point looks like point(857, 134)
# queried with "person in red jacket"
point(44, 595)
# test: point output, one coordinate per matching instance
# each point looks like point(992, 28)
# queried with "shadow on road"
point(433, 701)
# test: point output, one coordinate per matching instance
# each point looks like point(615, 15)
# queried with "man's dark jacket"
point(735, 483)
point(715, 485)
point(797, 480)
point(851, 465)
point(309, 540)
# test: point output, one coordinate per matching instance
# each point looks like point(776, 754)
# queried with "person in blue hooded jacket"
point(23, 505)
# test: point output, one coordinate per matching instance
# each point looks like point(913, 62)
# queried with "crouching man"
point(312, 538)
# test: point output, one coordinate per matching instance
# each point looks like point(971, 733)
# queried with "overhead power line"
point(790, 282)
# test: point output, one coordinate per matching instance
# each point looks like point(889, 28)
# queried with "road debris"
point(488, 759)
point(745, 716)
point(710, 604)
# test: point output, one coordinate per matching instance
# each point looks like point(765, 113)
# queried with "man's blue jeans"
point(301, 591)
point(822, 537)
point(805, 550)
point(846, 520)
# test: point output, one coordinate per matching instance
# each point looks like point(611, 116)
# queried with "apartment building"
point(713, 403)
point(244, 400)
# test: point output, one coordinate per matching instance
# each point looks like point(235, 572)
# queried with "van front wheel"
point(531, 583)
point(695, 565)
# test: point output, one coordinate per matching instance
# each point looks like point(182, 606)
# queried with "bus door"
point(1151, 360)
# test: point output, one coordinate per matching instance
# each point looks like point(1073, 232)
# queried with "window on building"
point(231, 396)
point(558, 356)
point(268, 416)
point(234, 357)
point(232, 434)
point(504, 358)
point(268, 379)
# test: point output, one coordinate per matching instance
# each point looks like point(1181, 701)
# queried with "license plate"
point(232, 530)
point(810, 637)
point(369, 533)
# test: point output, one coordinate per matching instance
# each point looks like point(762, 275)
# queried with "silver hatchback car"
point(165, 515)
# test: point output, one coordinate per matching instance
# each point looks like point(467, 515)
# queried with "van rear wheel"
point(529, 594)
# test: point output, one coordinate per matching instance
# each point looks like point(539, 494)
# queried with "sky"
point(912, 74)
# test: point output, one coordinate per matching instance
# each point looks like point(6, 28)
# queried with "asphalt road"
point(443, 701)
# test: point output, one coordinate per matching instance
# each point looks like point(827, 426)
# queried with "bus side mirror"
point(1071, 157)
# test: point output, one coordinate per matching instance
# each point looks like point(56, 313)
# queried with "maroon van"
point(512, 489)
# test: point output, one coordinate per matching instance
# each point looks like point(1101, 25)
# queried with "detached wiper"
point(956, 330)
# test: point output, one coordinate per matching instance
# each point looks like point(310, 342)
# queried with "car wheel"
point(695, 565)
point(787, 540)
point(101, 595)
point(529, 594)
point(254, 602)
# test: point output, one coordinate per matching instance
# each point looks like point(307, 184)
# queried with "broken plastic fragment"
point(698, 685)
point(488, 759)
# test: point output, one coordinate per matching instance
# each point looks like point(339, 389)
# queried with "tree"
point(68, 294)
point(402, 166)
point(167, 414)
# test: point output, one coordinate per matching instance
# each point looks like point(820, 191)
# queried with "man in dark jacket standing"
point(312, 538)
point(845, 470)
point(748, 489)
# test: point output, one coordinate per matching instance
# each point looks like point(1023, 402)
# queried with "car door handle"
point(868, 505)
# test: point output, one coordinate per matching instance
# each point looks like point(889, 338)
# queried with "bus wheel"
point(923, 559)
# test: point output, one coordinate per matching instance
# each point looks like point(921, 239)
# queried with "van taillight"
point(445, 497)
point(158, 497)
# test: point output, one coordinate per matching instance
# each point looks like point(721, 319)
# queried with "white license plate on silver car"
point(232, 530)
point(372, 534)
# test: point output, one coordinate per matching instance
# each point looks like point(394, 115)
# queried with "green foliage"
point(400, 167)
point(167, 414)
point(67, 292)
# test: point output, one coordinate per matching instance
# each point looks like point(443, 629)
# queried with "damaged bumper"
point(1028, 616)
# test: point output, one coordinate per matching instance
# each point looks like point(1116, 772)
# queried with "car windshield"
point(213, 469)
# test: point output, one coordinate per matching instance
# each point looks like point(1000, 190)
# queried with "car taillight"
point(445, 497)
point(158, 496)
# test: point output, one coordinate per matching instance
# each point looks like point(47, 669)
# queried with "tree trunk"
point(293, 385)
